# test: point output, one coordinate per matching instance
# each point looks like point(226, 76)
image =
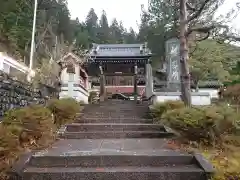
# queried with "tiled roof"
point(119, 50)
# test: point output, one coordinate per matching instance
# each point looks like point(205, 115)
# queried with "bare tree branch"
point(192, 52)
point(198, 12)
point(222, 35)
point(190, 7)
point(204, 29)
point(42, 36)
point(233, 38)
point(238, 4)
point(207, 29)
point(205, 37)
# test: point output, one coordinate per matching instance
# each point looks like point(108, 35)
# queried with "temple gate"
point(119, 66)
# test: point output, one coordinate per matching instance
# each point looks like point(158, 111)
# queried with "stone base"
point(102, 98)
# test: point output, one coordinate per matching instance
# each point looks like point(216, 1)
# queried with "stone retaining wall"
point(14, 94)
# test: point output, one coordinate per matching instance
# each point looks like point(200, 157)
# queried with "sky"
point(127, 11)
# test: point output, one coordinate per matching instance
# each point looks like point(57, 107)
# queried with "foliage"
point(206, 124)
point(47, 73)
point(8, 140)
point(9, 146)
point(212, 61)
point(235, 75)
point(236, 69)
point(209, 60)
point(232, 93)
point(160, 108)
point(64, 110)
point(209, 125)
point(32, 125)
point(54, 28)
point(161, 22)
point(23, 129)
point(226, 160)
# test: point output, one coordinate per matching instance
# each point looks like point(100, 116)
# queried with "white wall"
point(198, 98)
point(213, 92)
point(4, 59)
point(79, 93)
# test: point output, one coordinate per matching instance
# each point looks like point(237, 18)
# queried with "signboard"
point(173, 63)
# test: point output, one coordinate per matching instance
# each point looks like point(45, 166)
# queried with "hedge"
point(213, 125)
point(33, 127)
point(160, 108)
point(206, 124)
point(64, 110)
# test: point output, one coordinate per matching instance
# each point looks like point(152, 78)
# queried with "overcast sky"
point(127, 11)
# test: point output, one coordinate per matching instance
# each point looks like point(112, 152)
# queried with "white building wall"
point(6, 62)
point(79, 93)
point(213, 92)
point(198, 98)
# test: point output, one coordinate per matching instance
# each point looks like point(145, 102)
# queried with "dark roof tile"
point(118, 50)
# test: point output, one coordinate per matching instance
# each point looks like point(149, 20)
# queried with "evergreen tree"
point(116, 32)
point(131, 36)
point(92, 25)
point(103, 30)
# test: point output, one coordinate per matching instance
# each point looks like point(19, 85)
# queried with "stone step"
point(77, 127)
point(113, 159)
point(112, 120)
point(120, 173)
point(141, 159)
point(115, 134)
point(116, 110)
point(112, 114)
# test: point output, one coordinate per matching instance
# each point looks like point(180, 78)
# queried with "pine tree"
point(103, 30)
point(92, 25)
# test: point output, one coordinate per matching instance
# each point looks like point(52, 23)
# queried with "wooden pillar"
point(135, 83)
point(102, 84)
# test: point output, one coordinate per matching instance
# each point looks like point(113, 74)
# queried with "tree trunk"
point(185, 76)
point(196, 85)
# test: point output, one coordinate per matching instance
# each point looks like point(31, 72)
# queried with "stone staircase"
point(112, 141)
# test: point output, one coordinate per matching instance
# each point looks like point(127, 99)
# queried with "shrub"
point(32, 125)
point(9, 148)
point(202, 123)
point(160, 108)
point(8, 141)
point(226, 164)
point(64, 110)
point(24, 128)
point(232, 93)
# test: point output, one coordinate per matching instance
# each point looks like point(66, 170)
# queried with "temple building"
point(74, 78)
point(120, 67)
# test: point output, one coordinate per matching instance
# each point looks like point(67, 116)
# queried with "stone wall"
point(14, 94)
